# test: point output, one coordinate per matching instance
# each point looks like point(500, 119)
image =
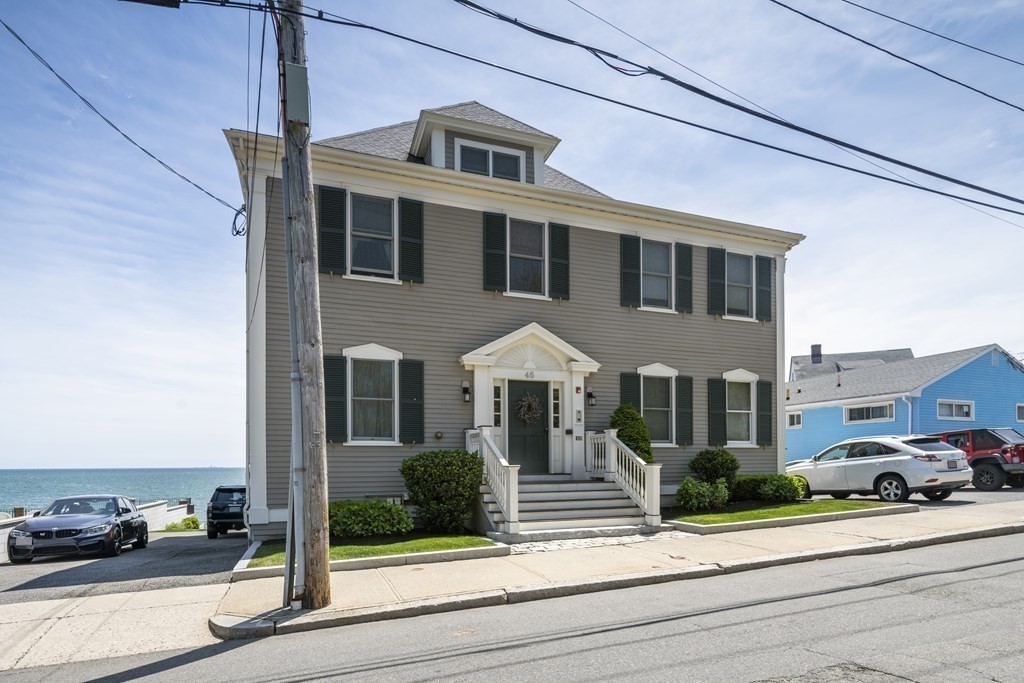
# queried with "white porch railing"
point(501, 477)
point(640, 480)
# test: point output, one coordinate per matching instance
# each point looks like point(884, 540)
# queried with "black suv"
point(225, 510)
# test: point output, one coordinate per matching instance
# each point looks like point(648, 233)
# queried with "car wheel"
point(211, 532)
point(1016, 481)
point(840, 496)
point(988, 477)
point(938, 495)
point(143, 540)
point(891, 488)
point(114, 548)
point(20, 560)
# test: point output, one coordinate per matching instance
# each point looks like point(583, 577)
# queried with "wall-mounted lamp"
point(465, 391)
point(591, 397)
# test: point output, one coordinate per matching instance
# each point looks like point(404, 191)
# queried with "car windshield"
point(81, 506)
point(229, 496)
point(1011, 435)
point(930, 445)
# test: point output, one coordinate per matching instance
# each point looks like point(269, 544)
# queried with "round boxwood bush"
point(632, 431)
point(360, 518)
point(712, 464)
point(774, 488)
point(694, 496)
point(443, 484)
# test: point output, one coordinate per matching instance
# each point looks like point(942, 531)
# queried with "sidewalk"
point(252, 608)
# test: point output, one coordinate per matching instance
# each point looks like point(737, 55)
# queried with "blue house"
point(836, 397)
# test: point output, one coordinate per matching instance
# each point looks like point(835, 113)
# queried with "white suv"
point(891, 467)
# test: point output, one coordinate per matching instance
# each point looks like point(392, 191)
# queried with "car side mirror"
point(36, 513)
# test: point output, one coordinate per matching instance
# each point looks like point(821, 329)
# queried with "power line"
point(330, 18)
point(899, 57)
point(115, 127)
point(639, 70)
point(933, 33)
point(769, 111)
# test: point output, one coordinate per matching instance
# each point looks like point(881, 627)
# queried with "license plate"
point(234, 508)
point(23, 540)
point(953, 464)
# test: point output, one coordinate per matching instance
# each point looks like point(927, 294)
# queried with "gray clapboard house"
point(473, 296)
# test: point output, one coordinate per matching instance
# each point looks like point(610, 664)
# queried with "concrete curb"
point(243, 561)
point(228, 627)
point(496, 550)
point(704, 529)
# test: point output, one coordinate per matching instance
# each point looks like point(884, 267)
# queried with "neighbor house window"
point(956, 410)
point(1020, 412)
point(373, 236)
point(373, 400)
point(739, 417)
point(739, 285)
point(656, 265)
point(877, 412)
point(489, 160)
point(794, 420)
point(526, 257)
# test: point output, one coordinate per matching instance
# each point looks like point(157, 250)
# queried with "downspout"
point(910, 414)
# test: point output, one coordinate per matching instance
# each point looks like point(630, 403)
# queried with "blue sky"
point(121, 287)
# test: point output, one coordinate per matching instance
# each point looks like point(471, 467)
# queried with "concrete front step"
point(534, 535)
point(561, 486)
point(568, 505)
point(572, 515)
point(568, 496)
point(601, 522)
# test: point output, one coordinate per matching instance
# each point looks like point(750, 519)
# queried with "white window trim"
point(459, 142)
point(545, 270)
point(741, 376)
point(663, 371)
point(671, 308)
point(1019, 406)
point(349, 275)
point(954, 403)
point(753, 287)
point(379, 353)
point(846, 412)
point(799, 413)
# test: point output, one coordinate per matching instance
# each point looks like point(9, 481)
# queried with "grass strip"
point(748, 511)
point(272, 554)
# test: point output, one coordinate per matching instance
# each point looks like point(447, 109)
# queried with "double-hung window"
point(739, 285)
point(877, 412)
point(489, 160)
point(656, 266)
point(656, 399)
point(526, 257)
point(373, 236)
point(374, 386)
point(739, 415)
point(955, 410)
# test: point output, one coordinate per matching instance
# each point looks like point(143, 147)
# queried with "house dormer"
point(472, 138)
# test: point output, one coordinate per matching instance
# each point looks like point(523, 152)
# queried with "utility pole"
point(305, 285)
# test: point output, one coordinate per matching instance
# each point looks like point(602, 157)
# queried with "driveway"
point(171, 561)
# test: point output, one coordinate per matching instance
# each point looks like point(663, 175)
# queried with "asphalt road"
point(170, 561)
point(944, 613)
point(965, 496)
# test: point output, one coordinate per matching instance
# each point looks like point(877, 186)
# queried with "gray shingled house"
point(473, 296)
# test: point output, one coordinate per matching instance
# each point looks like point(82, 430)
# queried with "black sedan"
point(81, 525)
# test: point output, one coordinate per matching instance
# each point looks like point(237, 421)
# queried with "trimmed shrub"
point(632, 431)
point(190, 522)
point(694, 496)
point(775, 488)
point(443, 484)
point(712, 464)
point(360, 518)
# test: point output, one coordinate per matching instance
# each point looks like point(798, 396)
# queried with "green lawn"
point(755, 510)
point(272, 554)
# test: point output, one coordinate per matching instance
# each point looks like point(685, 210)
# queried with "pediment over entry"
point(531, 347)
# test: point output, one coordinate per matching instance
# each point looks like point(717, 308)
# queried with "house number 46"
point(529, 374)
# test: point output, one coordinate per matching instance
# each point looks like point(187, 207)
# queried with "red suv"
point(995, 455)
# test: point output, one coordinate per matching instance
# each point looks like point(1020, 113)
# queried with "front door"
point(528, 426)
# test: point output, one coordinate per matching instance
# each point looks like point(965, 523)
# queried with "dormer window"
point(489, 160)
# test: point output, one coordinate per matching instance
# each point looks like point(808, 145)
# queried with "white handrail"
point(503, 480)
point(473, 440)
point(595, 453)
point(639, 479)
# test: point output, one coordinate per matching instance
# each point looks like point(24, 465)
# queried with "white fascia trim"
point(657, 370)
point(780, 364)
point(853, 401)
point(372, 352)
point(740, 375)
point(595, 213)
point(954, 403)
point(916, 393)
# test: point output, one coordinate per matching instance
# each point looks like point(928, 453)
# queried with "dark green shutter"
point(494, 252)
point(684, 411)
point(330, 219)
point(410, 400)
point(716, 412)
point(684, 278)
point(629, 266)
point(629, 389)
point(764, 287)
point(335, 406)
point(716, 281)
point(764, 413)
point(410, 240)
point(558, 264)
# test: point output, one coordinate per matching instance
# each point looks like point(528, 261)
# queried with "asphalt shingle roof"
point(802, 368)
point(877, 380)
point(394, 141)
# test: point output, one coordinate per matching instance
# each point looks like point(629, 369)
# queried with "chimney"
point(816, 354)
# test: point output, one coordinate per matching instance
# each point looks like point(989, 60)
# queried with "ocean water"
point(35, 489)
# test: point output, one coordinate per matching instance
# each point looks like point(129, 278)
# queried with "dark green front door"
point(528, 441)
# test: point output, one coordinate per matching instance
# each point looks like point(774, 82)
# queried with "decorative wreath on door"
point(528, 408)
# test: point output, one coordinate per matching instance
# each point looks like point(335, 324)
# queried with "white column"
point(652, 494)
point(780, 360)
point(482, 397)
point(611, 454)
point(577, 448)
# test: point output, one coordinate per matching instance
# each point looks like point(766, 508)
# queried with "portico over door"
point(534, 355)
